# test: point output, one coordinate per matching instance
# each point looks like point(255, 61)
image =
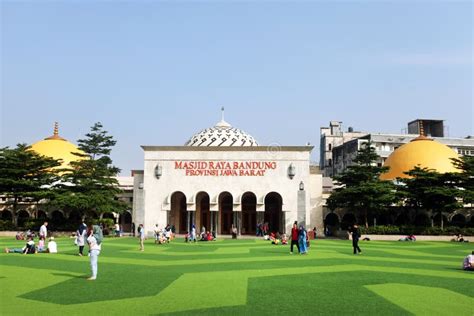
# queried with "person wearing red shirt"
point(294, 237)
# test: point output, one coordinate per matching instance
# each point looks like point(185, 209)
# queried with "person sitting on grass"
point(468, 263)
point(41, 244)
point(209, 236)
point(29, 248)
point(284, 239)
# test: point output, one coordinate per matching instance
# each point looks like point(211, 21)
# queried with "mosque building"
point(222, 177)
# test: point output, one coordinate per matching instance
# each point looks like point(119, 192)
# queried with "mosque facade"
point(222, 178)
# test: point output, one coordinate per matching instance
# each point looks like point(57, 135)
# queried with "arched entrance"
point(75, 218)
point(23, 216)
point(458, 220)
point(273, 214)
point(437, 218)
point(6, 215)
point(331, 224)
point(203, 214)
point(57, 219)
point(225, 211)
point(348, 220)
point(125, 221)
point(178, 213)
point(41, 215)
point(249, 213)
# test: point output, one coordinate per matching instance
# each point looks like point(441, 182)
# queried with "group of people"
point(262, 229)
point(30, 246)
point(278, 239)
point(164, 235)
point(299, 237)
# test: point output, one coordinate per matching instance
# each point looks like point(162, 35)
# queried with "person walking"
point(141, 236)
point(294, 237)
point(302, 240)
point(95, 246)
point(43, 232)
point(355, 238)
point(81, 237)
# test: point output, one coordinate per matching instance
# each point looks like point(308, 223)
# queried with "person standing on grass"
point(43, 232)
point(302, 240)
point(294, 237)
point(81, 237)
point(355, 238)
point(141, 236)
point(193, 233)
point(95, 246)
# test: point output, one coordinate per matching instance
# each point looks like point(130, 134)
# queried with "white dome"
point(223, 134)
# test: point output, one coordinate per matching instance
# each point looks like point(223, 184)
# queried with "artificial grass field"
point(239, 277)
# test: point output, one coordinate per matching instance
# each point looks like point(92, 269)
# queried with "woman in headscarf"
point(81, 234)
point(94, 240)
point(302, 240)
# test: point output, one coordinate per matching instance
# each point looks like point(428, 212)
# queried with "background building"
point(342, 155)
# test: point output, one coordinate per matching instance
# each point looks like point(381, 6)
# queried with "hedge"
point(408, 230)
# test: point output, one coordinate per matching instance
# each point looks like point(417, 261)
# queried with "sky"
point(157, 72)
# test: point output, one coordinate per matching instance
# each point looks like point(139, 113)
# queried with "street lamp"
point(301, 186)
point(291, 171)
point(158, 171)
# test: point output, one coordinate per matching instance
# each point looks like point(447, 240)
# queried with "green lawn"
point(240, 277)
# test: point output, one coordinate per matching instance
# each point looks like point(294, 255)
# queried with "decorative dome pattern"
point(223, 134)
point(422, 152)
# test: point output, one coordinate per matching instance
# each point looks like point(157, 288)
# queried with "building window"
point(329, 147)
point(330, 162)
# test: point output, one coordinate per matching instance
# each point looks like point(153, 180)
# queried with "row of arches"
point(221, 221)
point(60, 218)
point(332, 220)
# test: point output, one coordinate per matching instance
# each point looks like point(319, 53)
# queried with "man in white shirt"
point(43, 232)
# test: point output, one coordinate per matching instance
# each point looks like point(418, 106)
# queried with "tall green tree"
point(430, 190)
point(360, 188)
point(465, 178)
point(26, 175)
point(90, 184)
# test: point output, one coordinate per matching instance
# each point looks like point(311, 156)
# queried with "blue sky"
point(155, 73)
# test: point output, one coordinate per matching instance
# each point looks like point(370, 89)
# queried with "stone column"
point(301, 208)
point(188, 221)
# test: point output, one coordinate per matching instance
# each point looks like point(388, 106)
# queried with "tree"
point(465, 179)
point(26, 175)
point(90, 183)
point(430, 190)
point(360, 187)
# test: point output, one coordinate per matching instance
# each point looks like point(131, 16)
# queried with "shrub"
point(7, 225)
point(417, 230)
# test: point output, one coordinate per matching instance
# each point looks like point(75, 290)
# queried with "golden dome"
point(58, 148)
point(423, 152)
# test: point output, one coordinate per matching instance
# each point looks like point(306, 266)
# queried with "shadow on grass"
point(114, 282)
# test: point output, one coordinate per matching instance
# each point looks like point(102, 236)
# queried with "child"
point(41, 244)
